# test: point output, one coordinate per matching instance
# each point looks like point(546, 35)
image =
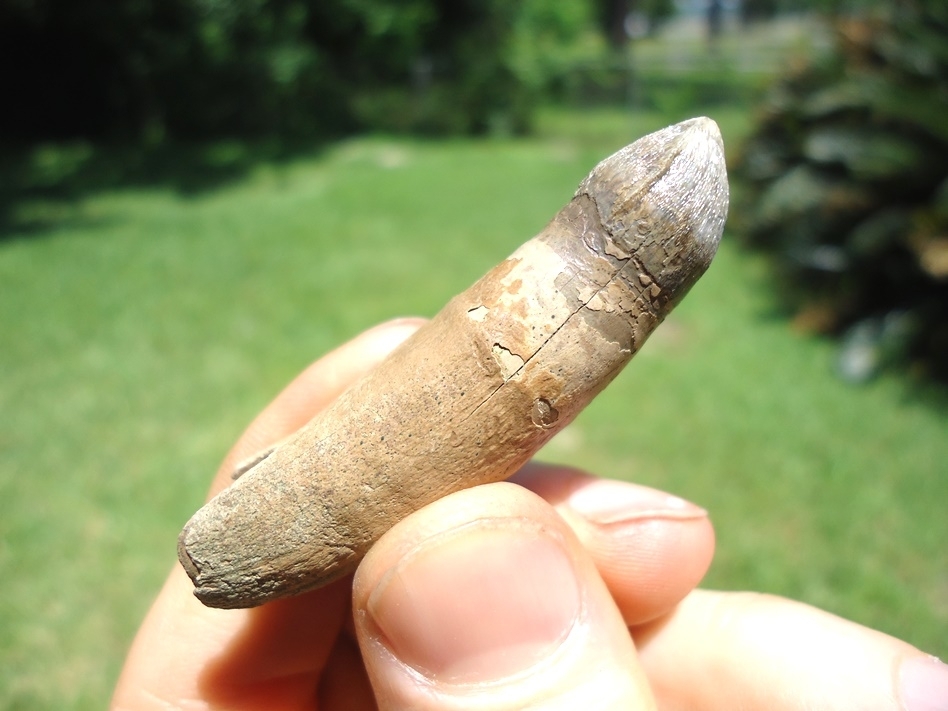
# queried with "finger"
point(344, 685)
point(651, 548)
point(268, 657)
point(487, 600)
point(723, 651)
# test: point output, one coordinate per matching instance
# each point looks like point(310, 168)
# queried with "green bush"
point(848, 176)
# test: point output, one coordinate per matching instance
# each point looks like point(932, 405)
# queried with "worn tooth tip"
point(674, 180)
point(695, 136)
point(704, 123)
point(705, 127)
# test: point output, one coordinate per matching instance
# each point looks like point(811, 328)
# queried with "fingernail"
point(480, 603)
point(605, 501)
point(923, 683)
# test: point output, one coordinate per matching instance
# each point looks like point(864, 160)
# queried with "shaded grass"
point(39, 184)
point(140, 337)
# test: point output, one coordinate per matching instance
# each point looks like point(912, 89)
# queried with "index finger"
point(185, 653)
point(760, 652)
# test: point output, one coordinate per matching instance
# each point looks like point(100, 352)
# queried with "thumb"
point(486, 600)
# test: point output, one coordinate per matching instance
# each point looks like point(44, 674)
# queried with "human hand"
point(534, 594)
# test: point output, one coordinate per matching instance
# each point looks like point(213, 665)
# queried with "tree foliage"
point(849, 176)
point(193, 68)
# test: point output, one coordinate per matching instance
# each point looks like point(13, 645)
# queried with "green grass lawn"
point(143, 327)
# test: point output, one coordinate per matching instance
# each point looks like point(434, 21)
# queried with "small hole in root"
point(543, 413)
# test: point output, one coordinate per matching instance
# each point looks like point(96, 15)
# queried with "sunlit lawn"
point(143, 327)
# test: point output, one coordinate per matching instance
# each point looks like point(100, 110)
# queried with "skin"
point(618, 561)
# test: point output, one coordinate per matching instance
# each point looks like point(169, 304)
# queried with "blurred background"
point(199, 197)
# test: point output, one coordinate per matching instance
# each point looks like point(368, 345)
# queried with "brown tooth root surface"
point(479, 389)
